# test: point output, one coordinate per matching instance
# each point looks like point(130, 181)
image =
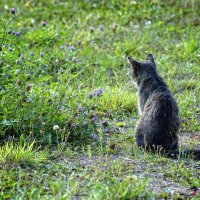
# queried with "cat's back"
point(162, 109)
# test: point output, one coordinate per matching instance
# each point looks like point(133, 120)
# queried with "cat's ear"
point(150, 58)
point(133, 63)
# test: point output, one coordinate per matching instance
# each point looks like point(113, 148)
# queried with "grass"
point(18, 154)
point(65, 84)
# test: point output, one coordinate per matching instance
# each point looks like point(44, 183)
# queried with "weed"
point(20, 154)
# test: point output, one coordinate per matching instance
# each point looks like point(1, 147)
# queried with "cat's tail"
point(188, 153)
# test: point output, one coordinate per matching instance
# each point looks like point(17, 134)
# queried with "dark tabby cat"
point(159, 123)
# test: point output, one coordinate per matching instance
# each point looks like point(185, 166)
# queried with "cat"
point(159, 123)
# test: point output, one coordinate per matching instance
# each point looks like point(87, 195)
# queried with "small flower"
point(99, 92)
point(10, 49)
point(5, 75)
point(59, 107)
point(31, 53)
point(92, 29)
point(21, 56)
point(91, 95)
point(115, 26)
point(55, 127)
point(104, 123)
point(93, 120)
point(13, 32)
point(55, 95)
point(62, 47)
point(147, 23)
point(28, 87)
point(18, 82)
point(94, 136)
point(42, 54)
point(74, 59)
point(13, 11)
point(71, 47)
point(44, 23)
point(17, 34)
point(80, 108)
point(32, 22)
point(79, 42)
point(45, 67)
point(17, 62)
point(106, 115)
point(101, 28)
point(17, 71)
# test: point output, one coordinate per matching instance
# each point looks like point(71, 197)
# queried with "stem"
point(5, 31)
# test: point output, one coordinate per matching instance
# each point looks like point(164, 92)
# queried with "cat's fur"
point(158, 126)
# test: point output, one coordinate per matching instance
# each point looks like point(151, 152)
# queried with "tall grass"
point(20, 154)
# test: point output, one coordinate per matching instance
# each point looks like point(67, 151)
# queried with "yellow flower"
point(27, 4)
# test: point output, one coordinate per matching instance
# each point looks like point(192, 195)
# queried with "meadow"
point(68, 107)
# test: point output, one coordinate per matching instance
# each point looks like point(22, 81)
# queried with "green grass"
point(84, 143)
point(18, 154)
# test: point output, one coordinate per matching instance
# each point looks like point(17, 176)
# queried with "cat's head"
point(142, 70)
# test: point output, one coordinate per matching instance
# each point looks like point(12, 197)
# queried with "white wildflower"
point(55, 127)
